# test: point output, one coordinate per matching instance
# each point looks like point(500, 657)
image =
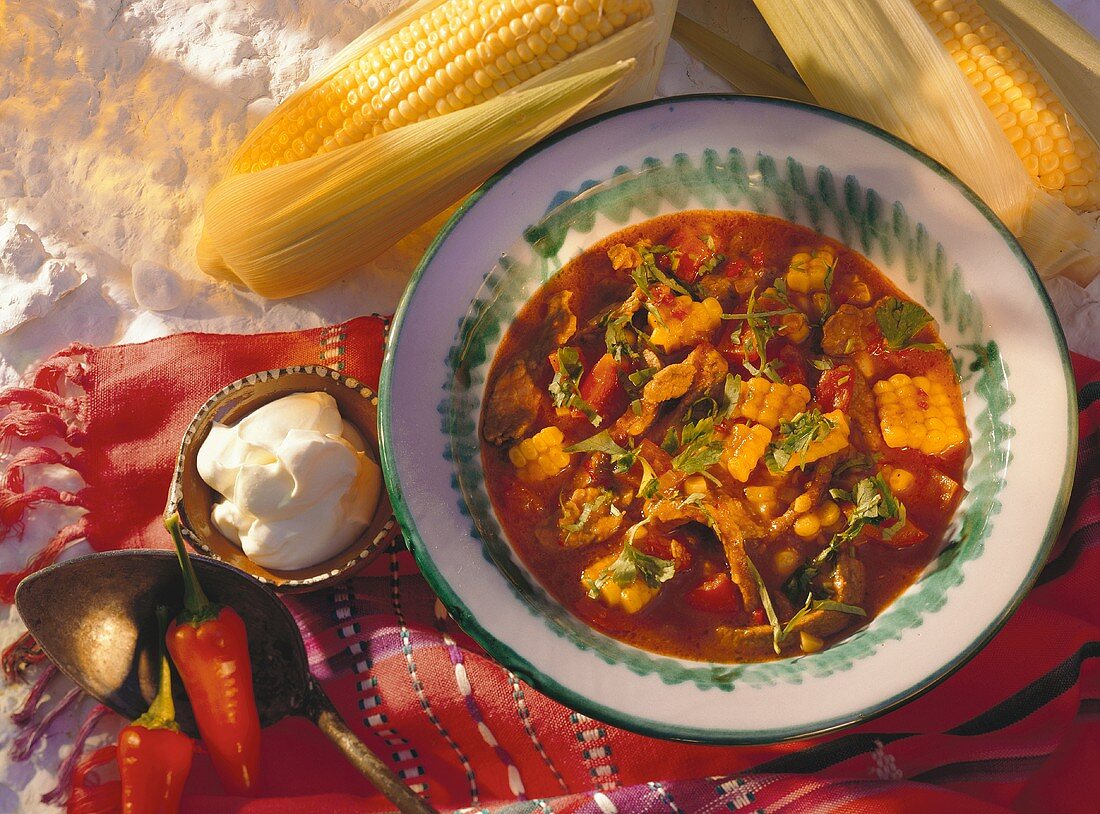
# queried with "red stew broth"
point(756, 249)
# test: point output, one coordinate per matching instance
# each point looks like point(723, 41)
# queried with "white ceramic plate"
point(846, 179)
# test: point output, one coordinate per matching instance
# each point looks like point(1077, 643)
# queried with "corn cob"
point(767, 402)
point(743, 448)
point(442, 56)
point(700, 321)
point(809, 271)
point(835, 440)
point(590, 515)
point(917, 412)
point(1055, 150)
point(854, 55)
point(540, 456)
point(292, 229)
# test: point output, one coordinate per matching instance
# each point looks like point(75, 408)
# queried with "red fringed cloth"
point(1016, 729)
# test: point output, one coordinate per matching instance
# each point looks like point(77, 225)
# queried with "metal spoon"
point(94, 616)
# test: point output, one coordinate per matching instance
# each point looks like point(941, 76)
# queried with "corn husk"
point(1066, 54)
point(737, 66)
point(291, 229)
point(878, 61)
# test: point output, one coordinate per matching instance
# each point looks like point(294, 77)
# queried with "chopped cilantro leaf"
point(700, 447)
point(795, 437)
point(565, 387)
point(900, 321)
point(621, 459)
point(814, 605)
point(604, 498)
point(631, 565)
point(874, 504)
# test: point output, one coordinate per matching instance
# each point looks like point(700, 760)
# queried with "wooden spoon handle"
point(320, 710)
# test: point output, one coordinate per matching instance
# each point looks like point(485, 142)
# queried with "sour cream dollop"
point(297, 483)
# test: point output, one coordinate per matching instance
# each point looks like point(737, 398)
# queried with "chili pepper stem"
point(162, 712)
point(195, 602)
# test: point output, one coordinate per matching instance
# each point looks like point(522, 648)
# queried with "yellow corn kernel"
point(917, 412)
point(802, 503)
point(763, 499)
point(828, 513)
point(1017, 96)
point(744, 447)
point(809, 642)
point(809, 271)
point(760, 494)
point(836, 440)
point(786, 560)
point(390, 81)
point(795, 327)
point(541, 456)
point(631, 598)
point(767, 402)
point(700, 321)
point(900, 480)
point(807, 526)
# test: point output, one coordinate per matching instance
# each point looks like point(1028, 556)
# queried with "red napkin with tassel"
point(1016, 729)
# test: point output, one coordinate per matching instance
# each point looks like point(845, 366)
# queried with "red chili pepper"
point(154, 757)
point(209, 645)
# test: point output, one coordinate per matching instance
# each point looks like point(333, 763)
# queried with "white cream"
point(297, 483)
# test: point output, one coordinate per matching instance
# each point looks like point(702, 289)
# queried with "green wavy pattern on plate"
point(842, 208)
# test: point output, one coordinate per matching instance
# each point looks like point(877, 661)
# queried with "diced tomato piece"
point(660, 294)
point(834, 390)
point(908, 535)
point(738, 347)
point(660, 460)
point(694, 253)
point(759, 617)
point(601, 387)
point(667, 548)
point(717, 594)
point(792, 370)
point(735, 267)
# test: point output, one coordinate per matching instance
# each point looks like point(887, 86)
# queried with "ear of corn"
point(292, 229)
point(370, 159)
point(917, 412)
point(433, 58)
point(540, 456)
point(743, 448)
point(1067, 53)
point(768, 403)
point(879, 61)
point(1056, 151)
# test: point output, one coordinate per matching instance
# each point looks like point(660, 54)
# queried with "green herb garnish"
point(565, 387)
point(874, 504)
point(814, 605)
point(603, 499)
point(700, 447)
point(900, 321)
point(795, 438)
point(632, 564)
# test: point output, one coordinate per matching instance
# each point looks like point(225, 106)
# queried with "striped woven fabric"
point(1016, 729)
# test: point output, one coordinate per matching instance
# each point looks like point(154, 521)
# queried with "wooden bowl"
point(191, 498)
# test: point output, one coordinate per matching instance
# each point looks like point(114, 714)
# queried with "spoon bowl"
point(94, 616)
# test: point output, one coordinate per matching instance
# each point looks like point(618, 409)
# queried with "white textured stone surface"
point(115, 118)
